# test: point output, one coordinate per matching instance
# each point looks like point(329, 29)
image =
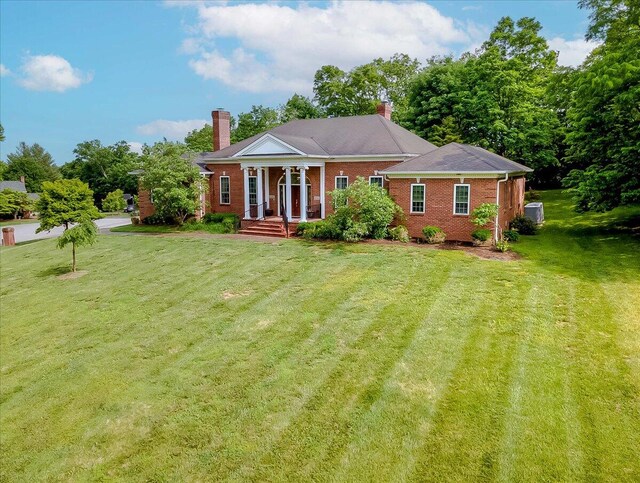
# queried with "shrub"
point(157, 219)
point(433, 234)
point(363, 211)
point(481, 235)
point(114, 201)
point(523, 225)
point(229, 225)
point(532, 195)
point(301, 227)
point(484, 214)
point(511, 235)
point(213, 218)
point(135, 220)
point(502, 245)
point(399, 233)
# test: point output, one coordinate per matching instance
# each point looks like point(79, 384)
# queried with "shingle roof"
point(458, 158)
point(13, 185)
point(355, 135)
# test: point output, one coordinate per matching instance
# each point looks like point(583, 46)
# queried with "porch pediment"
point(268, 145)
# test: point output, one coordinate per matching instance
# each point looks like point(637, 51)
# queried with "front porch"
point(279, 192)
point(271, 226)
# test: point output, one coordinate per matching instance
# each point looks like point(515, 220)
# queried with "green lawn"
point(192, 359)
point(215, 228)
point(17, 222)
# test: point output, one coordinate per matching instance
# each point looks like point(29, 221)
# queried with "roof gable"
point(268, 145)
point(13, 185)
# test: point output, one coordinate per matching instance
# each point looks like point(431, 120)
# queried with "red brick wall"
point(144, 204)
point(439, 205)
point(352, 170)
point(236, 189)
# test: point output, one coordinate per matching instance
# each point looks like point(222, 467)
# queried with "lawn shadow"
point(55, 271)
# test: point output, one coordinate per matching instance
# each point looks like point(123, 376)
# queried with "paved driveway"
point(27, 231)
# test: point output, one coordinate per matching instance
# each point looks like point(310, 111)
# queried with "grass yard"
point(191, 359)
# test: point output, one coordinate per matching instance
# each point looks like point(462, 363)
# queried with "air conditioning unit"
point(535, 212)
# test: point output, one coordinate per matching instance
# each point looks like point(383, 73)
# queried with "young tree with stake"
point(69, 203)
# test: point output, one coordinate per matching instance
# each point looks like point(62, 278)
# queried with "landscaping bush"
point(363, 211)
point(135, 220)
point(532, 195)
point(114, 201)
point(157, 219)
point(484, 214)
point(301, 227)
point(323, 230)
point(399, 233)
point(481, 235)
point(213, 218)
point(502, 245)
point(433, 234)
point(511, 235)
point(230, 225)
point(523, 225)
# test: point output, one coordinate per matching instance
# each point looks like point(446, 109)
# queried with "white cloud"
point(4, 71)
point(572, 52)
point(172, 130)
point(51, 73)
point(278, 47)
point(467, 8)
point(135, 146)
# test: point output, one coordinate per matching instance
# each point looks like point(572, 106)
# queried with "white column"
point(288, 191)
point(247, 213)
point(303, 195)
point(266, 187)
point(322, 193)
point(260, 195)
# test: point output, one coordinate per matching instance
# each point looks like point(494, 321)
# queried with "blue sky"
point(141, 70)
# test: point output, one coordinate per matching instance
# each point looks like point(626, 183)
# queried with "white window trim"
point(455, 189)
point(341, 176)
point(381, 179)
point(424, 198)
point(229, 184)
point(256, 178)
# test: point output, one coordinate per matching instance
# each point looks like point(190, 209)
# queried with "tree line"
point(578, 128)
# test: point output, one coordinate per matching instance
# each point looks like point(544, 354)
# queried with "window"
point(253, 190)
point(225, 192)
point(342, 182)
point(376, 180)
point(417, 198)
point(461, 199)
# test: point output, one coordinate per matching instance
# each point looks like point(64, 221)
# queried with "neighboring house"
point(291, 168)
point(21, 187)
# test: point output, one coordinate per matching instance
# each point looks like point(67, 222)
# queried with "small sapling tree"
point(68, 203)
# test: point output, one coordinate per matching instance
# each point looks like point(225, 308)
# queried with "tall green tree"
point(14, 203)
point(359, 91)
point(200, 140)
point(299, 107)
point(68, 203)
point(34, 163)
point(173, 181)
point(495, 98)
point(259, 119)
point(604, 113)
point(103, 168)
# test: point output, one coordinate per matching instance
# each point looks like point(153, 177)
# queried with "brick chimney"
point(384, 109)
point(221, 129)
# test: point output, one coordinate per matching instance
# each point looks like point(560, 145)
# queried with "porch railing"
point(285, 220)
point(252, 212)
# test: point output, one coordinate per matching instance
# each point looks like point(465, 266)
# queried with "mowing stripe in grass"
point(324, 425)
point(411, 394)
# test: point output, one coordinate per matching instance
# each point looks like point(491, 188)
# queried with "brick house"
point(290, 169)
